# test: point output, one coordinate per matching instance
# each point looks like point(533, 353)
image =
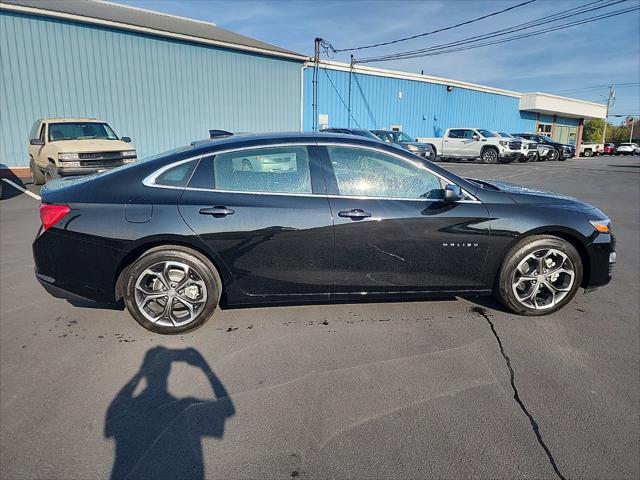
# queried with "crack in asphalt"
point(516, 395)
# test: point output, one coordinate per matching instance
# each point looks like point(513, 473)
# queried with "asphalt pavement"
point(441, 389)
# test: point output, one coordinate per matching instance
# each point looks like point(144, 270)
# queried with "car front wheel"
point(171, 290)
point(540, 275)
point(554, 155)
point(489, 155)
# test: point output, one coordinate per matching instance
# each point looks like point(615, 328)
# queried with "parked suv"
point(628, 149)
point(529, 149)
point(405, 141)
point(60, 147)
point(560, 151)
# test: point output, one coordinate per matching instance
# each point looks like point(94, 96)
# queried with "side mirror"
point(476, 137)
point(452, 193)
point(126, 139)
point(36, 141)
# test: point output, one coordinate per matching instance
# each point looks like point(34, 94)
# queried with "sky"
point(566, 62)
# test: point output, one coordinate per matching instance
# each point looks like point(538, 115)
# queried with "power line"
point(434, 31)
point(449, 48)
point(340, 97)
point(595, 87)
point(575, 11)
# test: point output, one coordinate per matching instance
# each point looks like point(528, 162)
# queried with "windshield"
point(400, 137)
point(486, 133)
point(80, 131)
point(505, 135)
point(547, 139)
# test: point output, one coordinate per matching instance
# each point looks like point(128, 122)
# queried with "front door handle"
point(355, 214)
point(217, 211)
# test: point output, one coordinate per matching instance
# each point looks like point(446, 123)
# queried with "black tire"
point(489, 155)
point(553, 155)
point(50, 173)
point(588, 153)
point(503, 289)
point(197, 262)
point(36, 174)
point(523, 159)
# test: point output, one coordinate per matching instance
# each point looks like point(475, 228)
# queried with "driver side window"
point(368, 173)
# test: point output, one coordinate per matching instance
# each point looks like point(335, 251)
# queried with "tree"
point(592, 130)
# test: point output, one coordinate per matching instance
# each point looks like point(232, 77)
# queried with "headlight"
point(602, 226)
point(128, 153)
point(413, 148)
point(68, 156)
point(504, 143)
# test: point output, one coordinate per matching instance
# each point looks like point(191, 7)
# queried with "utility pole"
point(612, 96)
point(353, 60)
point(631, 132)
point(316, 62)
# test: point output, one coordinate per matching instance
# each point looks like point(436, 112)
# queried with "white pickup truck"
point(472, 143)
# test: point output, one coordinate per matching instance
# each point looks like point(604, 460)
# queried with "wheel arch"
point(176, 243)
point(573, 237)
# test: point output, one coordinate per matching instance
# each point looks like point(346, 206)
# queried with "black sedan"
point(303, 218)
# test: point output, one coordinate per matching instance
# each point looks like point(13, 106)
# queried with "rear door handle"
point(217, 211)
point(355, 213)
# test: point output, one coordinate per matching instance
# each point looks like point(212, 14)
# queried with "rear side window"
point(268, 170)
point(177, 176)
point(456, 133)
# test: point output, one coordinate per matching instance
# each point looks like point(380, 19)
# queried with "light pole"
point(612, 95)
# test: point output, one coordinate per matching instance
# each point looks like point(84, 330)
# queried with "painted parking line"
point(22, 189)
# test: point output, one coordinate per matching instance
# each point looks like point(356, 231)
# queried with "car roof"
point(284, 137)
point(71, 119)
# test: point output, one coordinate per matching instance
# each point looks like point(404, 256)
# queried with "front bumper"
point(602, 258)
point(508, 153)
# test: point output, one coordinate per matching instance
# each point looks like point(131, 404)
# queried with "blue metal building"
point(164, 81)
point(425, 106)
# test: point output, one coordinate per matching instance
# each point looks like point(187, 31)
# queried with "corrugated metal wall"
point(423, 109)
point(162, 93)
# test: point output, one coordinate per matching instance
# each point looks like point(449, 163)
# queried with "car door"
point(470, 147)
point(264, 215)
point(393, 230)
point(35, 151)
point(453, 142)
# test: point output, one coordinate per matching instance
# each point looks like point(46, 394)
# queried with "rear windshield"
point(80, 131)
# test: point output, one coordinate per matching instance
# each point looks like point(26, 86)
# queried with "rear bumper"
point(602, 258)
point(89, 276)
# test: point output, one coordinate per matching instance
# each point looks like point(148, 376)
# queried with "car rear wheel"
point(540, 275)
point(36, 174)
point(587, 153)
point(171, 290)
point(489, 155)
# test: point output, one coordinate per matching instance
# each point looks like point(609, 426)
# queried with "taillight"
point(50, 214)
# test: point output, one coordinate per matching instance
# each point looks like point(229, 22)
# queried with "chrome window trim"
point(149, 180)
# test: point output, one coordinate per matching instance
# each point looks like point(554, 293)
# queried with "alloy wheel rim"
point(170, 293)
point(543, 279)
point(490, 156)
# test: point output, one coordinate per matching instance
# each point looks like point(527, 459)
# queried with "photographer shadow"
point(158, 435)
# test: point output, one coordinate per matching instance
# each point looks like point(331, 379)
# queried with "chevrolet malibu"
point(326, 217)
